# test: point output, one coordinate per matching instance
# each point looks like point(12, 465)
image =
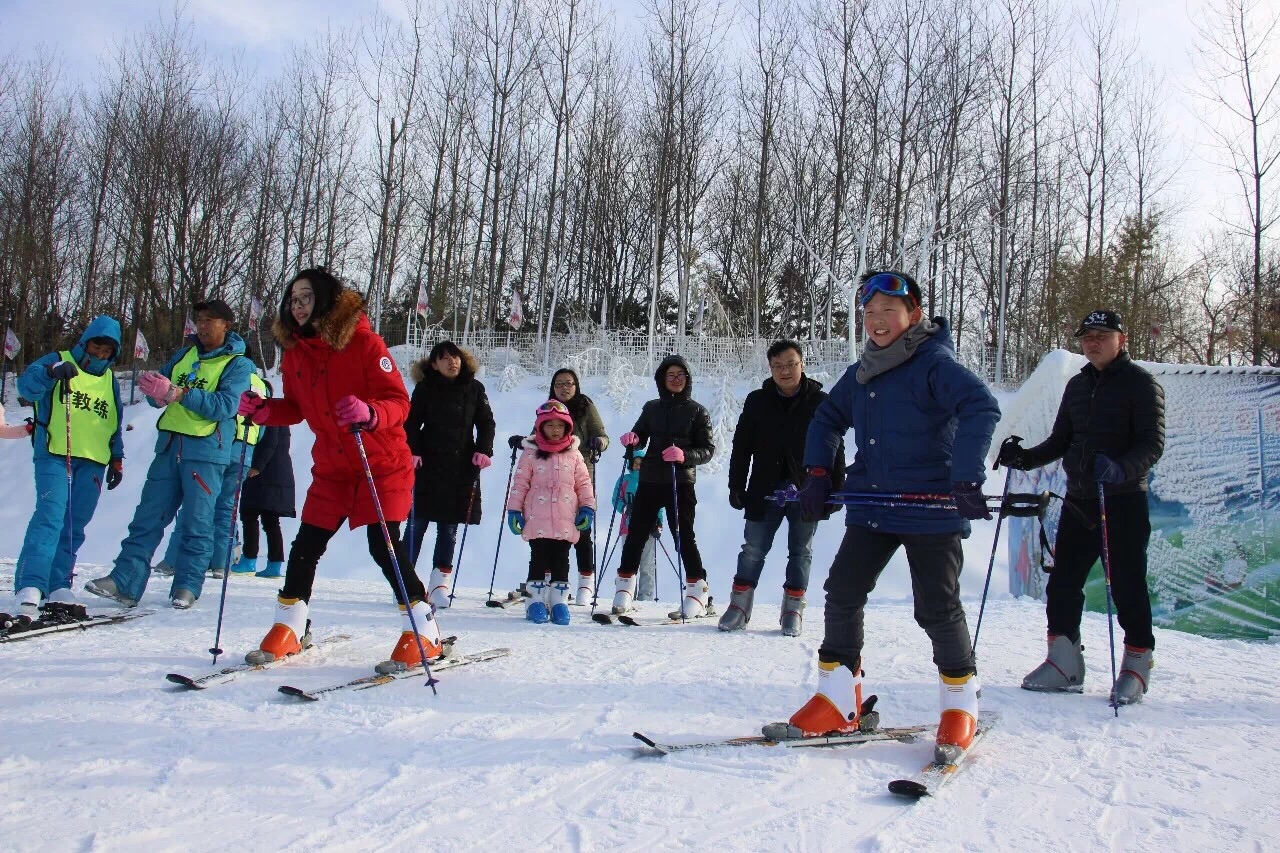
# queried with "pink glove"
point(417, 462)
point(481, 461)
point(156, 387)
point(629, 439)
point(253, 407)
point(673, 454)
point(352, 411)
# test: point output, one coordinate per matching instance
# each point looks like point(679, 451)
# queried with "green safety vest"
point(191, 371)
point(94, 418)
point(254, 430)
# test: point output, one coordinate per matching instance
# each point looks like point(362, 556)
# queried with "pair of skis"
point(446, 661)
point(926, 783)
point(55, 618)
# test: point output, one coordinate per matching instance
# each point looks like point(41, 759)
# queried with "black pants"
point(649, 498)
point(310, 544)
point(935, 560)
point(249, 519)
point(1077, 550)
point(583, 550)
point(549, 556)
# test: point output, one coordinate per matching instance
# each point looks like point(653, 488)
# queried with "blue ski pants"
point(56, 529)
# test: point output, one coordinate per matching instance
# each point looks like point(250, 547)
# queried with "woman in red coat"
point(338, 376)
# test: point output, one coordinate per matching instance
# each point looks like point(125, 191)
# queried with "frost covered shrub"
point(513, 376)
point(621, 384)
point(726, 407)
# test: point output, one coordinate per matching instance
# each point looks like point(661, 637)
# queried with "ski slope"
point(98, 751)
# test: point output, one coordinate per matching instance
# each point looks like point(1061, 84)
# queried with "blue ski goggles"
point(887, 283)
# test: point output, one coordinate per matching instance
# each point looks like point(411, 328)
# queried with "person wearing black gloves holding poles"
point(1109, 431)
point(768, 443)
point(922, 424)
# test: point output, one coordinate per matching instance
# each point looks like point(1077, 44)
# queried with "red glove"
point(481, 461)
point(352, 411)
point(629, 439)
point(673, 454)
point(417, 462)
point(253, 407)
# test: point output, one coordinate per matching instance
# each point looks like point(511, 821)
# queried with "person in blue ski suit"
point(56, 529)
point(199, 388)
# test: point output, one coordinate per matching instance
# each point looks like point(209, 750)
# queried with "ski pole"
point(226, 573)
point(66, 407)
point(413, 527)
point(991, 564)
point(675, 532)
point(595, 593)
point(466, 522)
point(1106, 573)
point(498, 550)
point(391, 552)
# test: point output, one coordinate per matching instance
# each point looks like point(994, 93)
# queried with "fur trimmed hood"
point(335, 328)
point(422, 368)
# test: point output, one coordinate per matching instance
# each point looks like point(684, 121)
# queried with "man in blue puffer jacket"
point(922, 423)
point(199, 388)
point(81, 377)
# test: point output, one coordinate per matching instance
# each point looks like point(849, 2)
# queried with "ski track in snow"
point(534, 751)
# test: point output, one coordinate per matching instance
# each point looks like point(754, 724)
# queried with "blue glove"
point(1106, 470)
point(812, 497)
point(583, 519)
point(515, 521)
point(970, 502)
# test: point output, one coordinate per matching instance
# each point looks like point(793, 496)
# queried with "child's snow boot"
point(792, 613)
point(696, 597)
point(559, 600)
point(835, 707)
point(958, 699)
point(1135, 676)
point(245, 566)
point(738, 614)
point(438, 591)
point(274, 569)
point(536, 610)
point(624, 598)
point(1062, 671)
point(586, 590)
point(290, 633)
point(406, 655)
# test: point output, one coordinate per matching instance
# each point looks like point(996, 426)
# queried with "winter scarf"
point(877, 359)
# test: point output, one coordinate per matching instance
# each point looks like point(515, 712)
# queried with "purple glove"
point(155, 386)
point(673, 454)
point(1107, 470)
point(253, 407)
point(481, 461)
point(351, 411)
point(970, 502)
point(812, 497)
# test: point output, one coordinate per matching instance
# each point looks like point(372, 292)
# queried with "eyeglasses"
point(887, 283)
point(568, 383)
point(303, 300)
point(678, 376)
point(790, 365)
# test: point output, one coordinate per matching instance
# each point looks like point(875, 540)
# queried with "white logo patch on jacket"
point(386, 365)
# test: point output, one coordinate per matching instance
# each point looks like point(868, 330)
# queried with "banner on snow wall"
point(1213, 563)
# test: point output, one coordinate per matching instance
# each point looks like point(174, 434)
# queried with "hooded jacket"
point(918, 427)
point(449, 421)
point(36, 385)
point(587, 424)
point(549, 491)
point(273, 489)
point(673, 420)
point(343, 357)
point(769, 443)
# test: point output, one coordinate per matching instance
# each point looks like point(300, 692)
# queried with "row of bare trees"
point(727, 167)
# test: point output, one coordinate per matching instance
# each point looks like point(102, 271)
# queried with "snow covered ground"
point(534, 750)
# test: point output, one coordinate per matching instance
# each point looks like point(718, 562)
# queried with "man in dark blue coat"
point(922, 423)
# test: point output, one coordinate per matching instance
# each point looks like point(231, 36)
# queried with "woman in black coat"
point(450, 431)
point(266, 496)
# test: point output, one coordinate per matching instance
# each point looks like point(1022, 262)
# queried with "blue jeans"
point(55, 532)
point(758, 537)
point(446, 536)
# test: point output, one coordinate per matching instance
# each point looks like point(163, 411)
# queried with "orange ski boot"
point(958, 698)
point(288, 635)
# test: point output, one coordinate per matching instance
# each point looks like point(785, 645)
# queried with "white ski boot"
point(586, 590)
point(697, 595)
point(438, 590)
point(625, 597)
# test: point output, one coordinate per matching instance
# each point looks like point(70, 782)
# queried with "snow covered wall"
point(1214, 557)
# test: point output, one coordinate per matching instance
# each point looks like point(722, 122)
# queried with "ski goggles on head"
point(553, 407)
point(887, 283)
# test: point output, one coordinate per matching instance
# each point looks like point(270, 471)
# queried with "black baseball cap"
point(1107, 321)
point(216, 308)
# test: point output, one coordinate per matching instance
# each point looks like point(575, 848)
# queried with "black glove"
point(814, 493)
point(515, 442)
point(1012, 455)
point(597, 444)
point(735, 499)
point(115, 473)
point(970, 502)
point(1107, 470)
point(62, 370)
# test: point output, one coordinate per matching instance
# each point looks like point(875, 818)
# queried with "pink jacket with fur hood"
point(550, 491)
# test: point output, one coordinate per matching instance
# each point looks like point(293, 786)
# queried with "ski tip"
point(497, 604)
point(908, 788)
point(184, 680)
point(647, 741)
point(297, 693)
point(629, 621)
point(601, 619)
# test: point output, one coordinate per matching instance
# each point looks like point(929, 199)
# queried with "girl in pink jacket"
point(551, 501)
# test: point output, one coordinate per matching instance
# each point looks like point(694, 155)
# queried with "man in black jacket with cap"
point(1109, 430)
